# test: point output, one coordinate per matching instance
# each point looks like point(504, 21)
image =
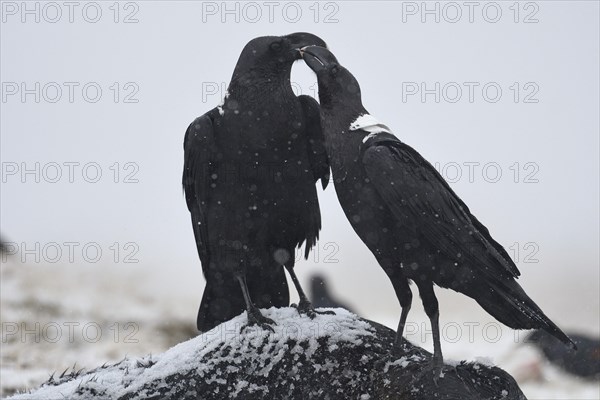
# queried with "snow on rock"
point(337, 356)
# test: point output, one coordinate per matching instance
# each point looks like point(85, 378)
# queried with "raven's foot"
point(400, 346)
point(435, 369)
point(306, 308)
point(255, 318)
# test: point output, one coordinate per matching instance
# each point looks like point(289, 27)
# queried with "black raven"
point(249, 179)
point(3, 247)
point(404, 211)
point(321, 296)
point(585, 362)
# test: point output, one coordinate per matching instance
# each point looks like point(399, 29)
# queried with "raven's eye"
point(334, 69)
point(276, 46)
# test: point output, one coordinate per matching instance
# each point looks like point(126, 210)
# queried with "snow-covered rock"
point(337, 356)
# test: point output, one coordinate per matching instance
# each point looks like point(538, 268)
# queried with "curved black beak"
point(318, 58)
point(299, 40)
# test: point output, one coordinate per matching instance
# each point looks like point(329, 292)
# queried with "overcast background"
point(525, 158)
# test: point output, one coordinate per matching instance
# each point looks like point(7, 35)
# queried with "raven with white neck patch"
point(412, 221)
point(249, 179)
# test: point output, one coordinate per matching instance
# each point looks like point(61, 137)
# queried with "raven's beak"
point(317, 58)
point(299, 40)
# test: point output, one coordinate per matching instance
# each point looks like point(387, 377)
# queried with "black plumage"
point(321, 294)
point(3, 246)
point(416, 226)
point(584, 362)
point(249, 179)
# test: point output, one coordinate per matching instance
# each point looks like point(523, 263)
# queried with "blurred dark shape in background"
point(3, 247)
point(321, 297)
point(583, 362)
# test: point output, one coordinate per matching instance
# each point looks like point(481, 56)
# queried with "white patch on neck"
point(222, 103)
point(369, 123)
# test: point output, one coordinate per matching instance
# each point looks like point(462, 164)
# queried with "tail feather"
point(224, 300)
point(269, 288)
point(508, 303)
point(218, 305)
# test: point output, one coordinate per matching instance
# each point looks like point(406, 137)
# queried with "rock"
point(337, 356)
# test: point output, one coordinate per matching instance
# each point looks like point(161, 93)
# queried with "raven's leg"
point(405, 298)
point(254, 315)
point(304, 305)
point(432, 310)
point(404, 295)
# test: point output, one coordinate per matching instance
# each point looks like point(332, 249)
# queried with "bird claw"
point(255, 318)
point(400, 346)
point(306, 308)
point(435, 368)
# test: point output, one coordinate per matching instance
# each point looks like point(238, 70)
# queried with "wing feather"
point(424, 202)
point(316, 141)
point(198, 147)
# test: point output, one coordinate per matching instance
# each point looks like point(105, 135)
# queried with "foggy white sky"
point(171, 61)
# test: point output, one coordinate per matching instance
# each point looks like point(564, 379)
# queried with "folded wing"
point(422, 200)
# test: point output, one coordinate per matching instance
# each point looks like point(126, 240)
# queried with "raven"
point(585, 362)
point(3, 246)
point(321, 296)
point(250, 167)
point(408, 216)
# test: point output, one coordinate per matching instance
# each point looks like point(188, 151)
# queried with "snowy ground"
point(343, 329)
point(54, 317)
